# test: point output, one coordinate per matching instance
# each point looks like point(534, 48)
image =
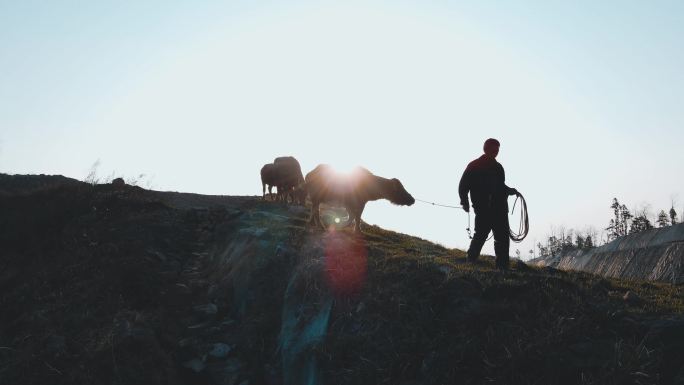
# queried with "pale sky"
point(585, 97)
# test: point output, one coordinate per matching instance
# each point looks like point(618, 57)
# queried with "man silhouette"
point(485, 179)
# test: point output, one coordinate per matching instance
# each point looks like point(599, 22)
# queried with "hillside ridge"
point(106, 284)
point(655, 255)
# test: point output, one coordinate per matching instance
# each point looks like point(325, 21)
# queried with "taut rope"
point(524, 225)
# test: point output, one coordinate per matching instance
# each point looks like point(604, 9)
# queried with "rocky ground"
point(121, 285)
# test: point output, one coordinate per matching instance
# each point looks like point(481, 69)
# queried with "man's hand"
point(465, 206)
point(513, 191)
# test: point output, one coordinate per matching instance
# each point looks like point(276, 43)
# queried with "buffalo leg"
point(350, 217)
point(289, 197)
point(286, 195)
point(314, 220)
point(279, 194)
point(357, 217)
point(282, 194)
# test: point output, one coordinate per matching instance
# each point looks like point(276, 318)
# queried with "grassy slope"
point(426, 317)
point(96, 284)
point(88, 284)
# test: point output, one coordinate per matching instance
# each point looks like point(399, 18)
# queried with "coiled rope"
point(524, 224)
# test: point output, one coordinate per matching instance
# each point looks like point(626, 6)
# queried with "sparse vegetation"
point(93, 178)
point(427, 317)
point(102, 285)
point(624, 222)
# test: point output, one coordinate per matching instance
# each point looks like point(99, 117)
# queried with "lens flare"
point(345, 262)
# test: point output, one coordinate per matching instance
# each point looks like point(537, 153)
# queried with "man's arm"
point(511, 190)
point(464, 187)
point(508, 190)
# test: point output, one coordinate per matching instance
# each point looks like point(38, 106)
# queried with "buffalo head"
point(398, 195)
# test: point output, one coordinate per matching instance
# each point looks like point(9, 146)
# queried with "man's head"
point(491, 147)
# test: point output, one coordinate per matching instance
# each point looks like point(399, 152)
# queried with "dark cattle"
point(290, 181)
point(285, 174)
point(268, 178)
point(352, 190)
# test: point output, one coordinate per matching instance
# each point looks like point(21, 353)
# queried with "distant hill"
point(121, 285)
point(13, 184)
point(656, 255)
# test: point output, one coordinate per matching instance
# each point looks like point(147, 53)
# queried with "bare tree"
point(663, 219)
point(593, 233)
point(673, 212)
point(641, 221)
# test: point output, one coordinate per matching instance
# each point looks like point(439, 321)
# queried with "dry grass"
point(426, 317)
point(88, 275)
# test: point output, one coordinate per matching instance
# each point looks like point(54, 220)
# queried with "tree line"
point(623, 222)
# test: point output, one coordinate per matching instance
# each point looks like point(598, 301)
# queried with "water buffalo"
point(352, 190)
point(285, 174)
point(290, 179)
point(268, 178)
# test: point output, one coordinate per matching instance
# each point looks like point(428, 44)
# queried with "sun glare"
point(343, 166)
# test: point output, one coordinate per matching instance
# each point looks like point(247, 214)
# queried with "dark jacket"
point(485, 179)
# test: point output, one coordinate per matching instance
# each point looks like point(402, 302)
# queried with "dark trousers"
point(497, 222)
